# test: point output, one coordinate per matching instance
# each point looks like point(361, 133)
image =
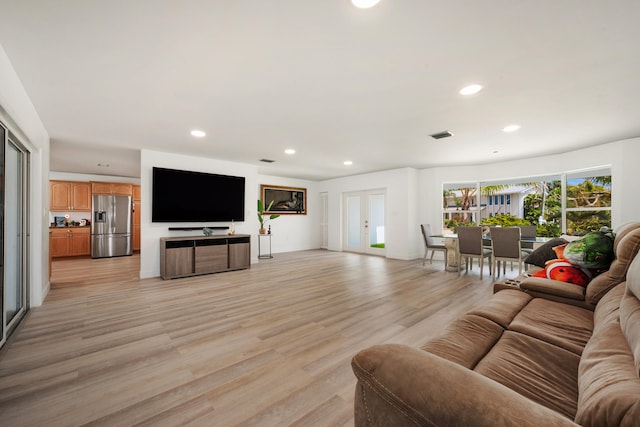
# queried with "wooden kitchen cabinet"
point(69, 196)
point(70, 241)
point(115, 188)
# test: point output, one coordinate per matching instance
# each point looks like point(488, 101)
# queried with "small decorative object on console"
point(207, 231)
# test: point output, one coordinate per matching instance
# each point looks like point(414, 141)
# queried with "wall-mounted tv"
point(187, 196)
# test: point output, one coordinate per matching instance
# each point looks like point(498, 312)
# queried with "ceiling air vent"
point(440, 135)
point(267, 160)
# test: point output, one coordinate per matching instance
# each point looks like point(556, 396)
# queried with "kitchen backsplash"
point(73, 216)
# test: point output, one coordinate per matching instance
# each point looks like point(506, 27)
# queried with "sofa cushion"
point(560, 324)
point(503, 306)
point(540, 371)
point(465, 341)
point(553, 288)
point(608, 377)
point(626, 246)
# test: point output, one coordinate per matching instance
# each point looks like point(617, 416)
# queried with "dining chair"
point(470, 247)
point(430, 244)
point(506, 246)
point(527, 232)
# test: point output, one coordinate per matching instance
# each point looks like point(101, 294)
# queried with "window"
point(537, 200)
point(522, 201)
point(588, 200)
point(460, 206)
point(571, 202)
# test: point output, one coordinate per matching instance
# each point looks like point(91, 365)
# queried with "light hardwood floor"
point(268, 346)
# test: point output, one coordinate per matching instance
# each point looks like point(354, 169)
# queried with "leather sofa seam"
point(372, 382)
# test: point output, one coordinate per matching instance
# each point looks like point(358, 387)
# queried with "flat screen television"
point(187, 196)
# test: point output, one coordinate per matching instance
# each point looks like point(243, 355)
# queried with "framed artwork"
point(286, 200)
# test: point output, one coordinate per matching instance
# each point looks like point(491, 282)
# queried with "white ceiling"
point(335, 83)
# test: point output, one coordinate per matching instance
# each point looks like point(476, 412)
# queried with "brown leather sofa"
point(519, 360)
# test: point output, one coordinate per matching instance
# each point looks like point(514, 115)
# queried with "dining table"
point(453, 253)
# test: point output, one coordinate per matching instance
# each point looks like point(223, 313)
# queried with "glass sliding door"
point(3, 180)
point(14, 199)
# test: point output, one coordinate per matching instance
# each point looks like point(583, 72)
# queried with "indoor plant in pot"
point(263, 217)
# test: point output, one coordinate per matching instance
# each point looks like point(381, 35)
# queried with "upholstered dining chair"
point(430, 244)
point(505, 246)
point(470, 247)
point(527, 232)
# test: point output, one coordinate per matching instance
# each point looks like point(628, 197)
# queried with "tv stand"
point(191, 256)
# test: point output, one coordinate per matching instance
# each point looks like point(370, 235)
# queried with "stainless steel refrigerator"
point(111, 226)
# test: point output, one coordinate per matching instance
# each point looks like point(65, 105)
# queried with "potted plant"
point(263, 218)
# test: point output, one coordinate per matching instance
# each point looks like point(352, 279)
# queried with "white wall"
point(294, 232)
point(621, 155)
point(18, 113)
point(400, 207)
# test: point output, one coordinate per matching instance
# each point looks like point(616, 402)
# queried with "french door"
point(364, 222)
point(13, 238)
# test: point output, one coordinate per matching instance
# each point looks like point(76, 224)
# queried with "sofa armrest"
point(553, 287)
point(401, 385)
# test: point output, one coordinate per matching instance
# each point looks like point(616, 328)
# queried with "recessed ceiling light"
point(511, 128)
point(198, 133)
point(364, 4)
point(290, 151)
point(348, 163)
point(471, 89)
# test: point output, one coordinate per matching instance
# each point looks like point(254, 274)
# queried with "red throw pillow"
point(564, 271)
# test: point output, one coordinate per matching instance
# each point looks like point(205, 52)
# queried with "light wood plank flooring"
point(269, 346)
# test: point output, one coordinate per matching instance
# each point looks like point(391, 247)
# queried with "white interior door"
point(324, 220)
point(364, 222)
